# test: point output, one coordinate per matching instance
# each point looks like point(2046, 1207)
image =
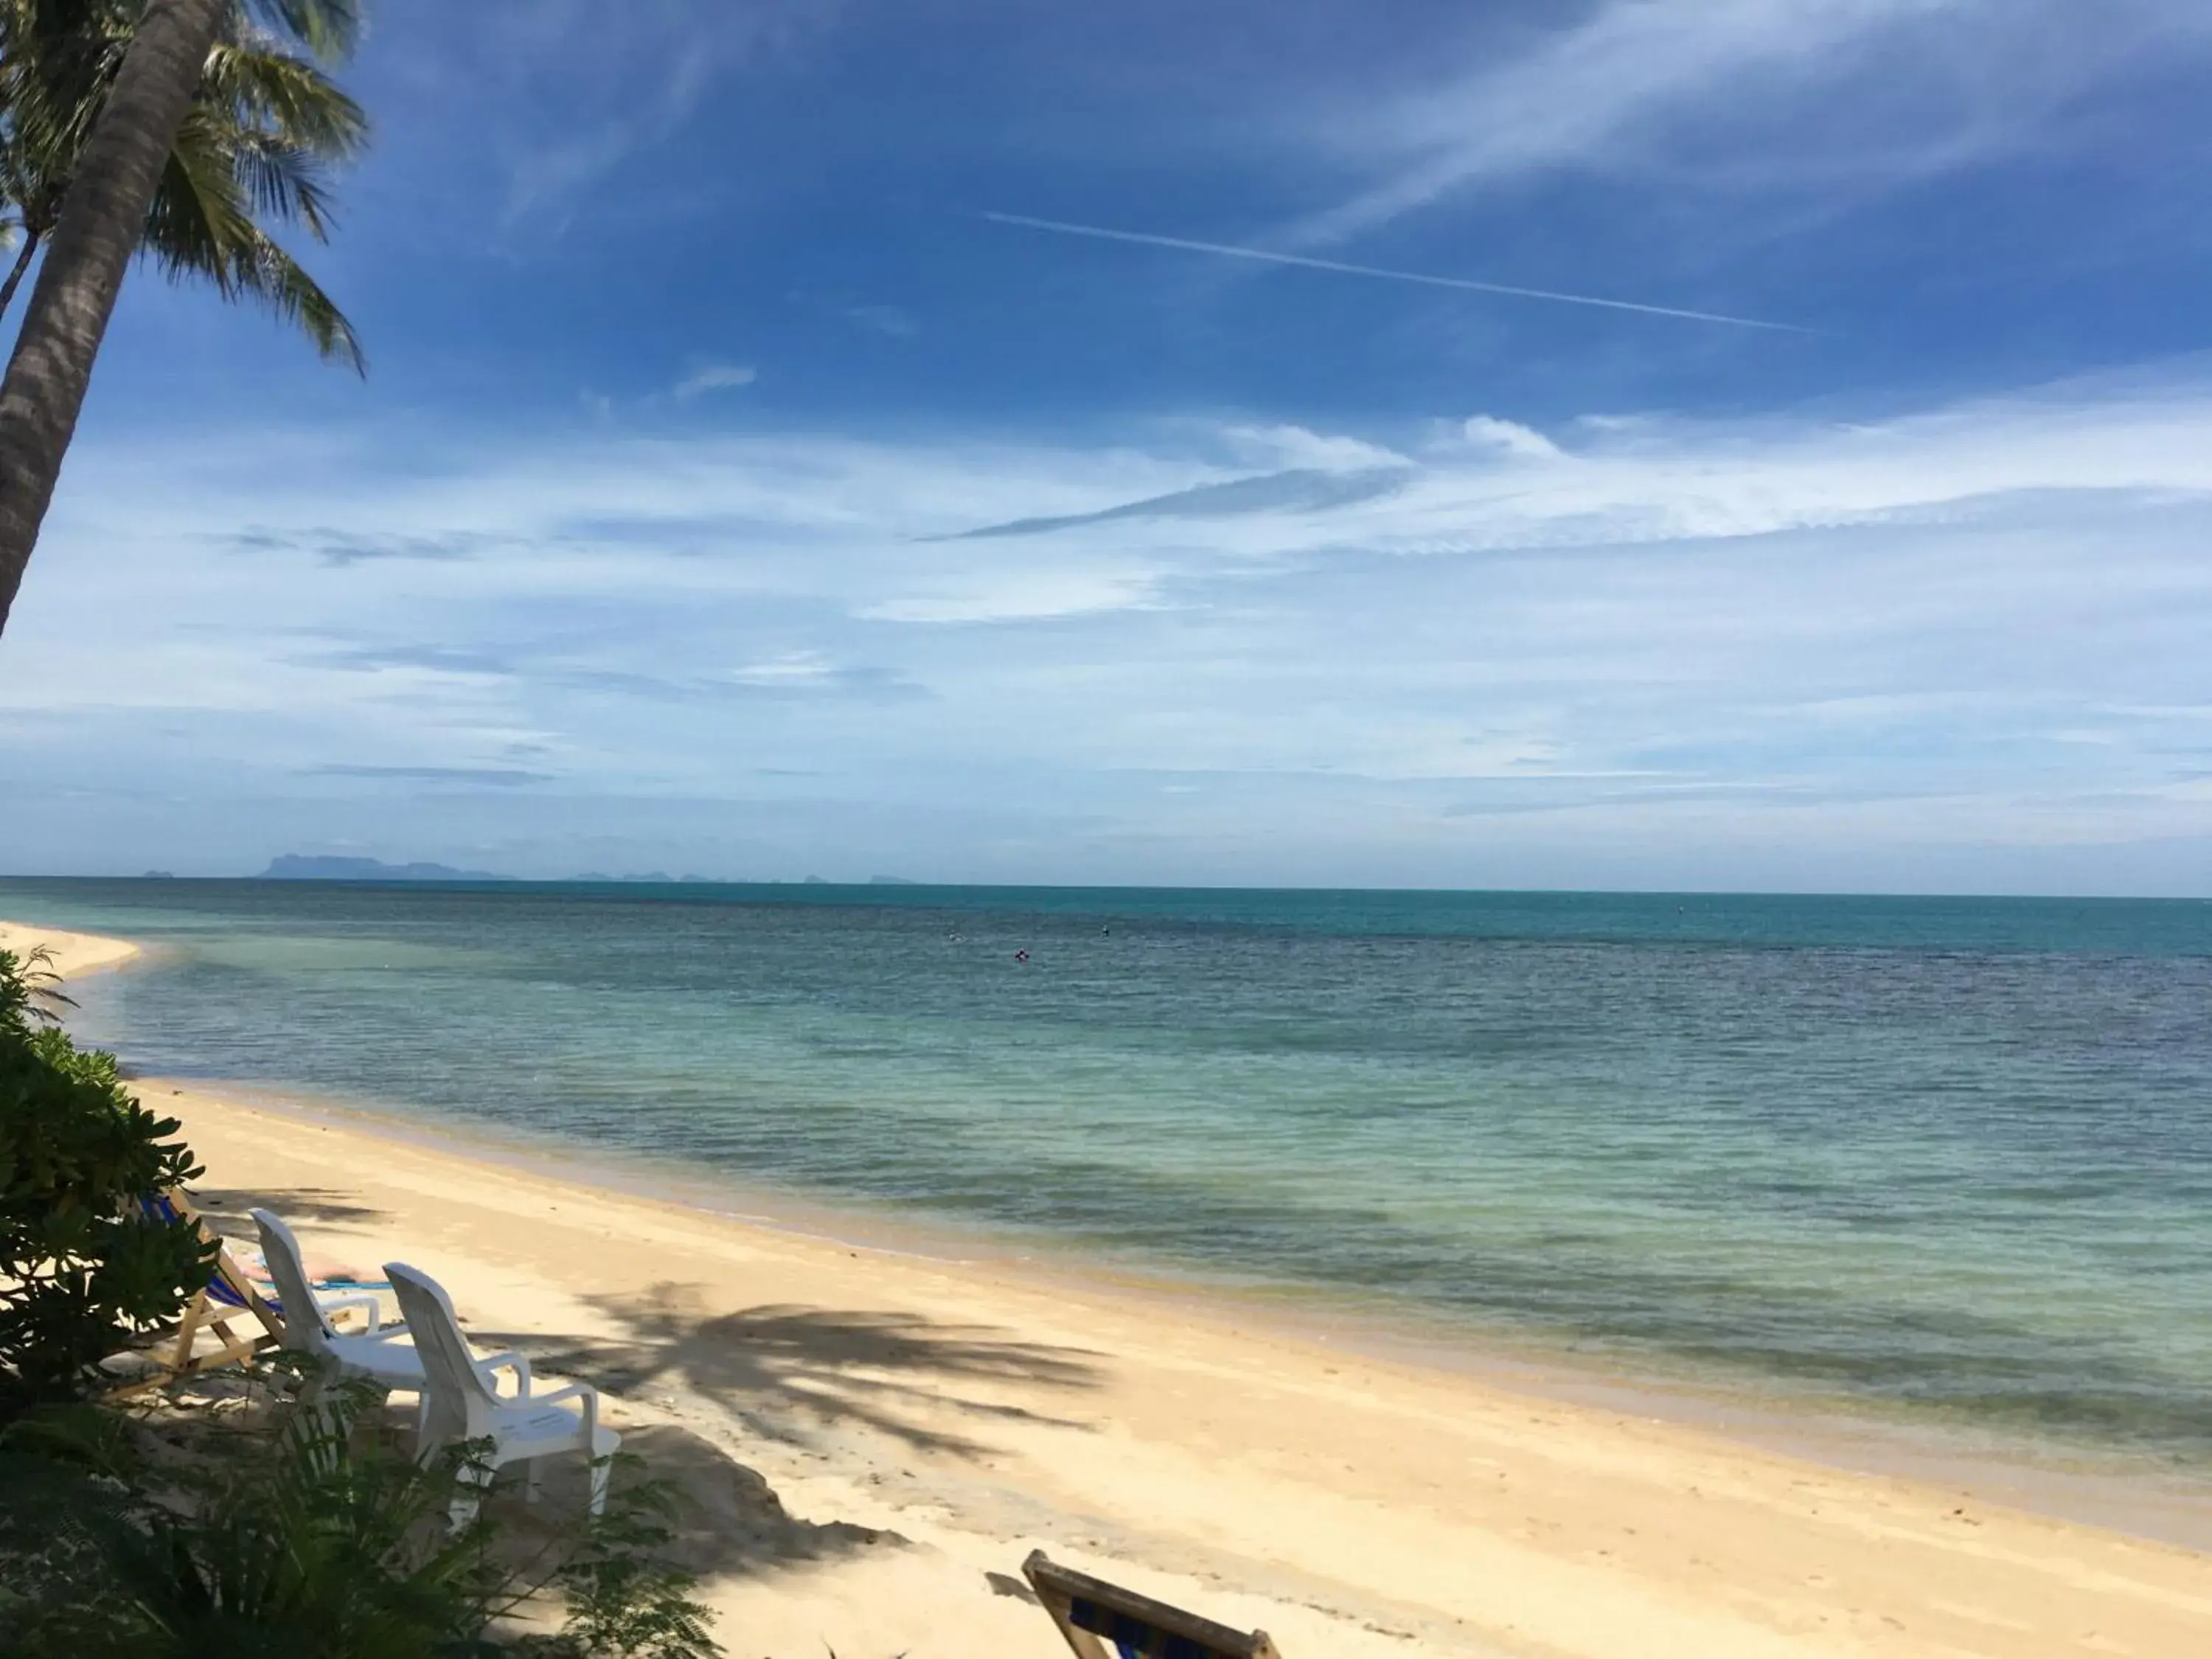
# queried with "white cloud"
point(1488, 432)
point(1286, 446)
point(792, 668)
point(1890, 637)
point(713, 377)
point(1009, 595)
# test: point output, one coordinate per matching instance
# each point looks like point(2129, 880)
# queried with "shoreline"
point(1346, 1492)
point(2110, 1489)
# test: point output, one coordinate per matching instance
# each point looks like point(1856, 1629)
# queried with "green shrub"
point(306, 1537)
point(81, 1272)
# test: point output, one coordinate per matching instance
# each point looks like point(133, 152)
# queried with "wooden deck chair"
point(1093, 1614)
point(229, 1297)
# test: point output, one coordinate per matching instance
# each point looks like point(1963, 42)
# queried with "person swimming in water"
point(1021, 956)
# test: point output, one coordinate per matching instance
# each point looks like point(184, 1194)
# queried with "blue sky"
point(750, 481)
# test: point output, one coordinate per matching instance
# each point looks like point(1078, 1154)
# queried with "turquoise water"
point(1947, 1158)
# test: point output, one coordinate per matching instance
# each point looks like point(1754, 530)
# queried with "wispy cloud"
point(344, 547)
point(713, 377)
point(1342, 268)
point(893, 320)
point(1299, 490)
point(590, 91)
point(435, 659)
point(1838, 92)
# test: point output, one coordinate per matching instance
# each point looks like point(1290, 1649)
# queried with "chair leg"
point(468, 1494)
point(319, 1419)
point(601, 1469)
point(532, 1481)
point(188, 1327)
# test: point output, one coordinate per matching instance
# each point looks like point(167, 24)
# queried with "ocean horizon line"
point(880, 885)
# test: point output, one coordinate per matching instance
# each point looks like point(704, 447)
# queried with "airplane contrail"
point(1269, 256)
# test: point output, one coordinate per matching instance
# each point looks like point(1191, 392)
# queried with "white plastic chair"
point(461, 1402)
point(383, 1355)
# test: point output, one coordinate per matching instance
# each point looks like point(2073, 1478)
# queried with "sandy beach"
point(69, 954)
point(875, 1439)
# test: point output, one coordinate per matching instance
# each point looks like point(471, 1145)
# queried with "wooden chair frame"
point(228, 1296)
point(1091, 1613)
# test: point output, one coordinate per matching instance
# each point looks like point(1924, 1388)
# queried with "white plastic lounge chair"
point(383, 1355)
point(461, 1402)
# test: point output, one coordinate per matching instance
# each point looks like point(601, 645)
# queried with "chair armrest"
point(345, 1304)
point(508, 1361)
point(579, 1391)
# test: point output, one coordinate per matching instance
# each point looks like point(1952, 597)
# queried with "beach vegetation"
point(82, 1271)
point(306, 1531)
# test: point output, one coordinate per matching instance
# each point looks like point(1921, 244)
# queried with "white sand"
point(74, 954)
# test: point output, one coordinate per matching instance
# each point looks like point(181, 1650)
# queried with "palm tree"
point(101, 222)
point(254, 141)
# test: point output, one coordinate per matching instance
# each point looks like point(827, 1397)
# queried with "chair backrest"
point(228, 1285)
point(305, 1324)
point(1091, 1613)
point(457, 1401)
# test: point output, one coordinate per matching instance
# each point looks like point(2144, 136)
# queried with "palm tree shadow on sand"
point(226, 1208)
point(789, 1373)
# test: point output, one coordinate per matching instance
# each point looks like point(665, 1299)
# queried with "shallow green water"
point(1950, 1157)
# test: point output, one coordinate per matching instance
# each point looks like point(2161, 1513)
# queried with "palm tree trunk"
point(100, 222)
point(16, 275)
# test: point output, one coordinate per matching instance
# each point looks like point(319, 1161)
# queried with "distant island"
point(329, 867)
point(300, 867)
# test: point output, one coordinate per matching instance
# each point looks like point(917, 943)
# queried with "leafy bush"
point(81, 1272)
point(306, 1537)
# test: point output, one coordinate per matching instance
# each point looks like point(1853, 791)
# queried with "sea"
point(1940, 1162)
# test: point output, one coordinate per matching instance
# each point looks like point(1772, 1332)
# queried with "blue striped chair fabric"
point(1132, 1638)
point(224, 1285)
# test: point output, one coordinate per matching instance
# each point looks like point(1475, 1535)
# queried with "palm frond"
point(275, 92)
point(264, 270)
point(199, 214)
point(282, 181)
point(329, 28)
point(202, 227)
